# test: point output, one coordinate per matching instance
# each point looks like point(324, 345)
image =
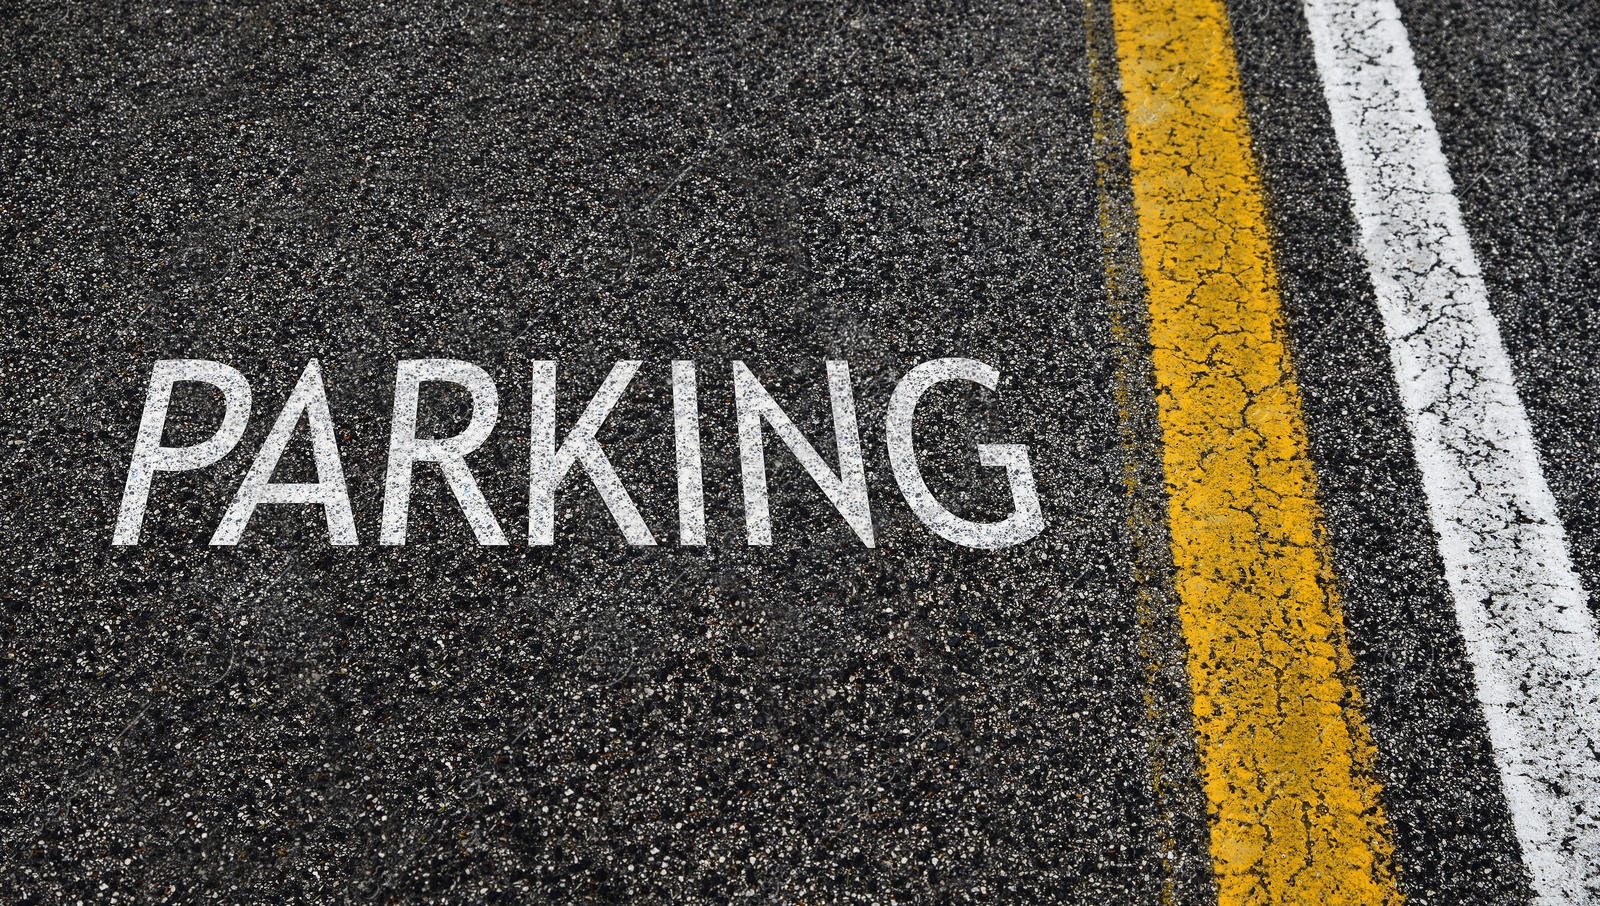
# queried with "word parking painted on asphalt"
point(1313, 632)
point(551, 462)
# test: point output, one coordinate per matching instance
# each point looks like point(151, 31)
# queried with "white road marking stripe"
point(1534, 647)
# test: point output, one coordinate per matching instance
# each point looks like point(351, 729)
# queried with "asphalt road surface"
point(1293, 307)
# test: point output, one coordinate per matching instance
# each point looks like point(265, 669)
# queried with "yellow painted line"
point(1285, 757)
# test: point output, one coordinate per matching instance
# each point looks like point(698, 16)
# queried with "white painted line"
point(1535, 649)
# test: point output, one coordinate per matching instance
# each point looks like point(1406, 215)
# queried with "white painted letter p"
point(150, 457)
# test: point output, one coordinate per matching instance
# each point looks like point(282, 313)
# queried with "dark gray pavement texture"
point(885, 184)
point(815, 722)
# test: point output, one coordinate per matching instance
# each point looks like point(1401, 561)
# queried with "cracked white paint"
point(1534, 647)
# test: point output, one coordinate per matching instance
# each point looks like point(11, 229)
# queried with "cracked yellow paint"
point(1284, 753)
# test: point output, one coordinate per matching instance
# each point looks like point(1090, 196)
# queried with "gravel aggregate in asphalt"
point(264, 184)
point(815, 721)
